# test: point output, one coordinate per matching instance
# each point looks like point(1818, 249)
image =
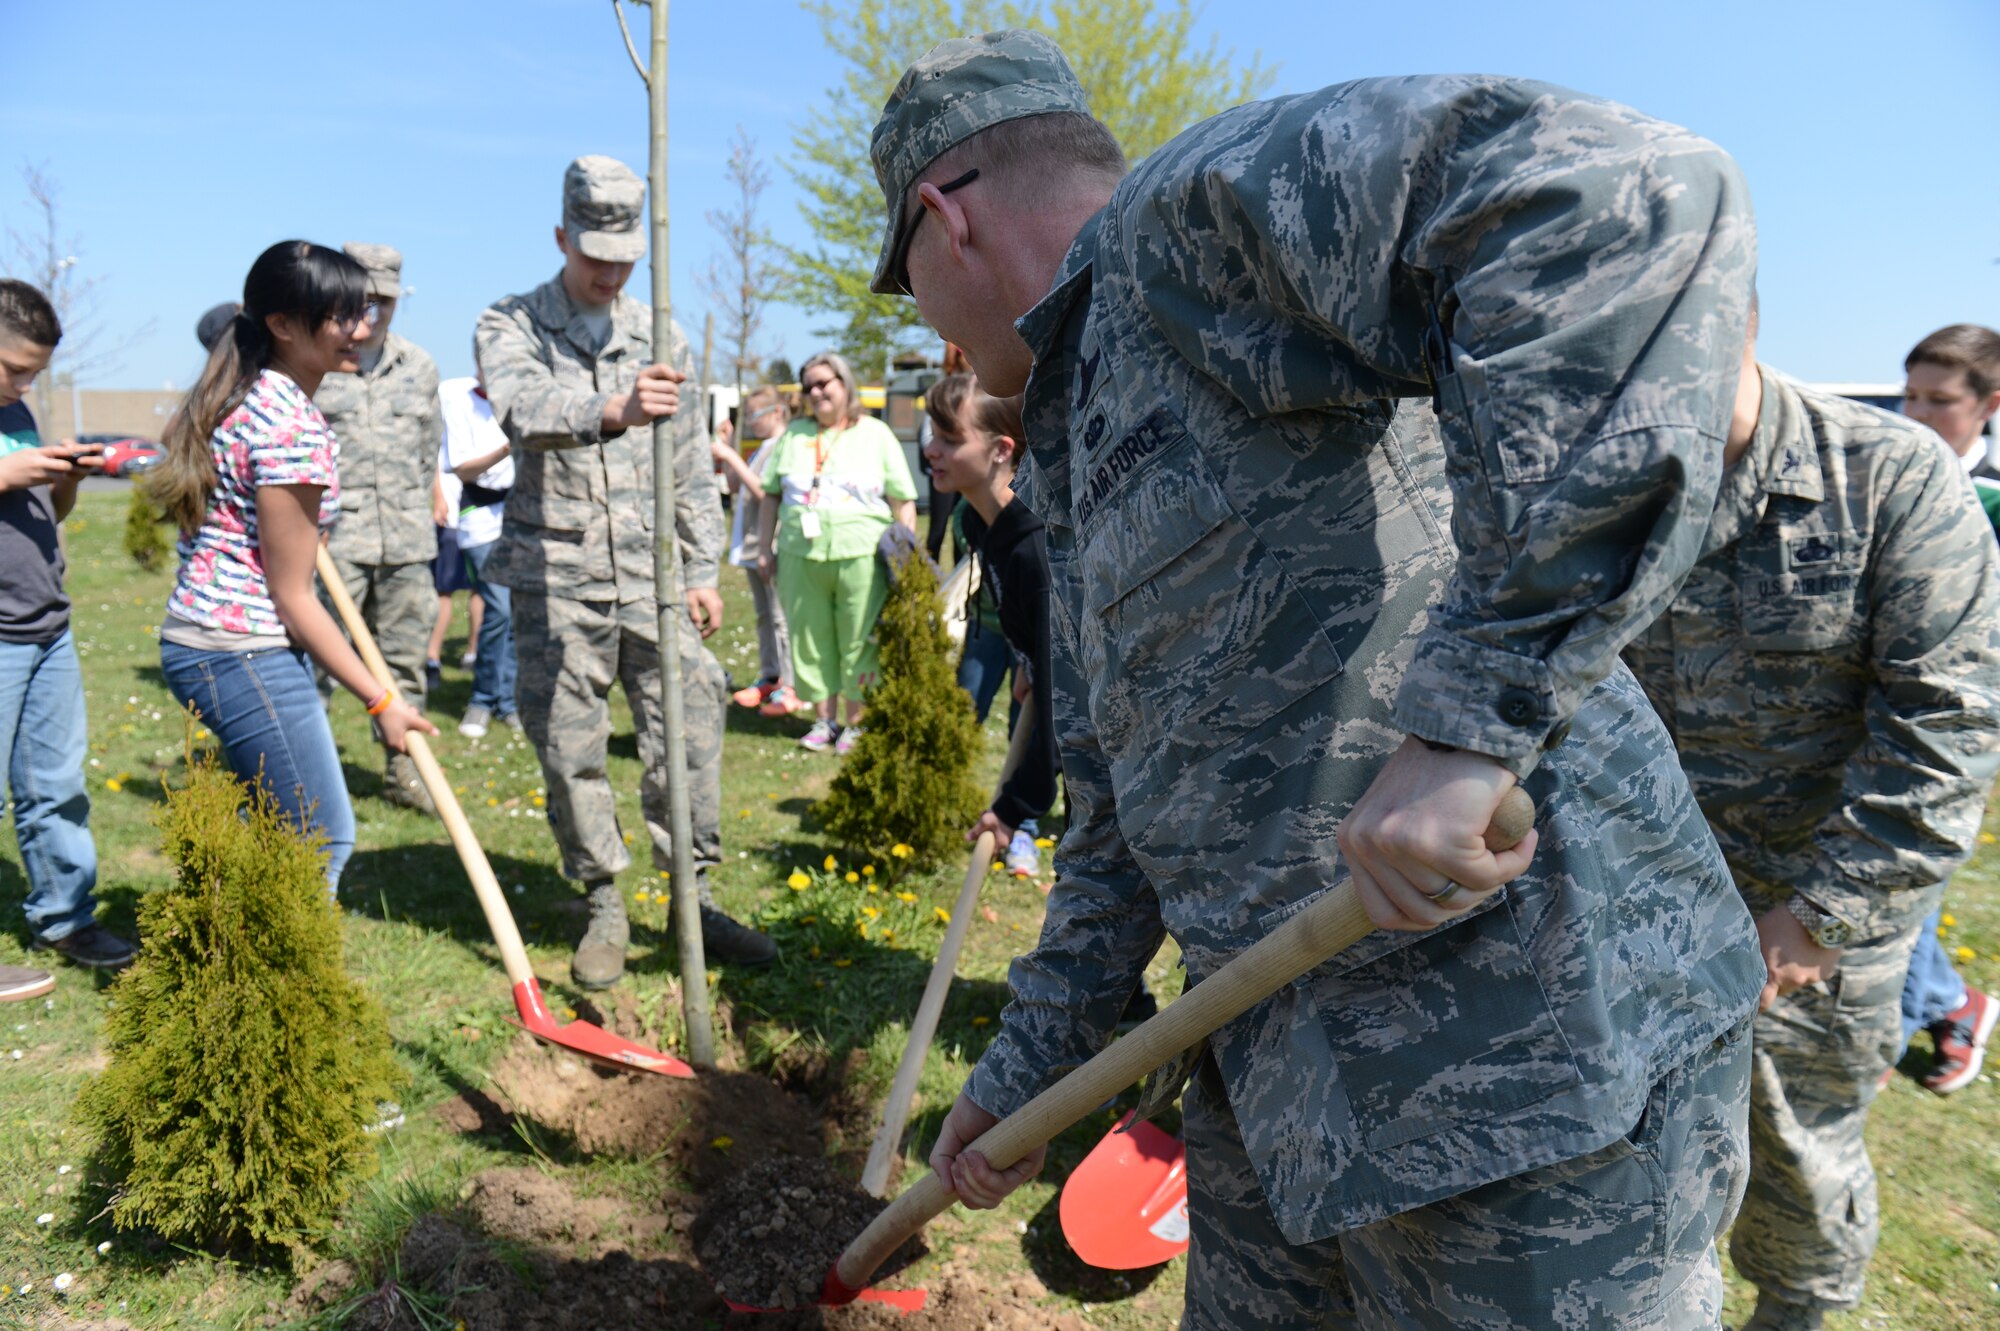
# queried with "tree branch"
point(630, 49)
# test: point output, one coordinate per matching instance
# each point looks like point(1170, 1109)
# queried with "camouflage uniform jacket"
point(579, 520)
point(1255, 593)
point(389, 427)
point(1831, 668)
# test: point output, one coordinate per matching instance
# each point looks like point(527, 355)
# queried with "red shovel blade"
point(836, 1294)
point(1126, 1205)
point(593, 1042)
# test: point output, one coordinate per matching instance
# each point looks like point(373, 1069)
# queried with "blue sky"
point(185, 138)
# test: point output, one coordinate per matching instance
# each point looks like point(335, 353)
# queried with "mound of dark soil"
point(709, 1126)
point(768, 1236)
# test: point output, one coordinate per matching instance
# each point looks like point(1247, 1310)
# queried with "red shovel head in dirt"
point(592, 1041)
point(1126, 1205)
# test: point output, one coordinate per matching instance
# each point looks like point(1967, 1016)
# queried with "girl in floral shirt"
point(249, 475)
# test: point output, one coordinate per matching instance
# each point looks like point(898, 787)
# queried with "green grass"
point(416, 938)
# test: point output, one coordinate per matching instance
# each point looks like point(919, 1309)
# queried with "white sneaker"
point(821, 737)
point(474, 724)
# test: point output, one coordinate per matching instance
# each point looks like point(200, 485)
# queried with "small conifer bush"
point(145, 533)
point(908, 783)
point(245, 1062)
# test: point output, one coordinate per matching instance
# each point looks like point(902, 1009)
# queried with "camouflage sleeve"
point(1571, 280)
point(536, 411)
point(1914, 791)
point(1103, 925)
point(430, 423)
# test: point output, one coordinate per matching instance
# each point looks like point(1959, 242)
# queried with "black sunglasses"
point(899, 258)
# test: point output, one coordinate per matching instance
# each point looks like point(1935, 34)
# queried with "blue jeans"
point(987, 661)
point(265, 709)
point(493, 674)
point(1932, 989)
point(42, 734)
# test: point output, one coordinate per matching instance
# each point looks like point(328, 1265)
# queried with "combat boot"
point(725, 940)
point(401, 784)
point(600, 958)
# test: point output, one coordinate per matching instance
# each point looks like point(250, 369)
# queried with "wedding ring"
point(1444, 893)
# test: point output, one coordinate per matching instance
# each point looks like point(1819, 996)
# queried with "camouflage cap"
point(961, 87)
point(384, 264)
point(604, 209)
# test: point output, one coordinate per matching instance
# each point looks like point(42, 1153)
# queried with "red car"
point(125, 455)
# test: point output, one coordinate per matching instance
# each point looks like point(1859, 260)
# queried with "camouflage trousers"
point(1810, 1222)
point(1623, 1237)
point(399, 604)
point(569, 654)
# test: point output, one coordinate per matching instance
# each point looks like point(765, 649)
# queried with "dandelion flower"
point(871, 912)
point(901, 851)
point(829, 864)
point(906, 897)
point(867, 871)
point(1967, 954)
point(873, 889)
point(661, 898)
point(798, 882)
point(1949, 921)
point(1044, 842)
point(723, 1142)
point(853, 877)
point(942, 913)
point(842, 962)
point(982, 1021)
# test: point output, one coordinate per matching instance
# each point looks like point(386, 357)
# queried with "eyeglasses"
point(899, 258)
point(369, 314)
point(817, 386)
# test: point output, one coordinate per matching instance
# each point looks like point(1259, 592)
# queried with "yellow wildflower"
point(901, 851)
point(743, 813)
point(798, 882)
point(871, 912)
point(853, 877)
point(1949, 921)
point(982, 1021)
point(888, 935)
point(723, 1143)
point(994, 867)
point(1987, 838)
point(1044, 843)
point(829, 864)
point(661, 898)
point(1967, 954)
point(842, 962)
point(867, 871)
point(873, 889)
point(942, 913)
point(906, 897)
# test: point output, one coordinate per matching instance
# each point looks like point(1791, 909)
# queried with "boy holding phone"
point(42, 732)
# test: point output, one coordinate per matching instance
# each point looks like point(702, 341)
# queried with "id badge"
point(809, 525)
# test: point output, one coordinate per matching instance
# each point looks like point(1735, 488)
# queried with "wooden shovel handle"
point(1331, 924)
point(499, 919)
point(896, 1110)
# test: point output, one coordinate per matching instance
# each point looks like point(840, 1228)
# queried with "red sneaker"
point(756, 694)
point(1960, 1041)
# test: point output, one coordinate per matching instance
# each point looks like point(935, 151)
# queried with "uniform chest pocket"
point(1192, 632)
point(1799, 589)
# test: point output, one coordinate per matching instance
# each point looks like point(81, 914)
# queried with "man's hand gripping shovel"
point(582, 1037)
point(1330, 925)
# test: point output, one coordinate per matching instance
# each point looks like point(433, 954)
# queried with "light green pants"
point(831, 606)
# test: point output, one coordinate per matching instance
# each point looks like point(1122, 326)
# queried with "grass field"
point(839, 999)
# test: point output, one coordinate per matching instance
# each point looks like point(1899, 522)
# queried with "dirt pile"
point(768, 1236)
point(708, 1126)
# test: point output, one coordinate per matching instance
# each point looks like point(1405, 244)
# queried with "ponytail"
point(295, 277)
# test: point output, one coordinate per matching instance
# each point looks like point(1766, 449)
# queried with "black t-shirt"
point(33, 608)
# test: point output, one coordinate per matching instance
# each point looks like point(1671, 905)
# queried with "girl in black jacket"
point(972, 452)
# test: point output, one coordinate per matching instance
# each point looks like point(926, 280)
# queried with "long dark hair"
point(309, 282)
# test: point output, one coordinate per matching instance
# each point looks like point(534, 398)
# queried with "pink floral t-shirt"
point(276, 436)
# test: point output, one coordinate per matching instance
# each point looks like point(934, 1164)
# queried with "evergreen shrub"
point(145, 530)
point(905, 796)
point(244, 1061)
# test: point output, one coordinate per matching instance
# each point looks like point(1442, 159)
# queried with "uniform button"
point(1518, 707)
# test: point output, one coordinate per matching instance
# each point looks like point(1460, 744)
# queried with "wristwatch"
point(1826, 930)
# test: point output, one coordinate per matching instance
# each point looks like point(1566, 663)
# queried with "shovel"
point(1126, 1205)
point(593, 1042)
point(1334, 922)
point(896, 1113)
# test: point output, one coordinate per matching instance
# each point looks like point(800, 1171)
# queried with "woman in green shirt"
point(831, 488)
